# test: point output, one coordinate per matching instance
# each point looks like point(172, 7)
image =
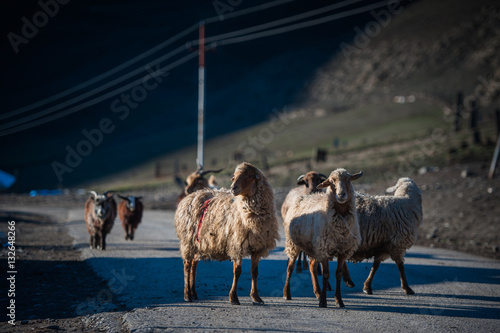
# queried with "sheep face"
point(339, 183)
point(245, 179)
point(311, 180)
point(196, 181)
point(131, 202)
point(101, 206)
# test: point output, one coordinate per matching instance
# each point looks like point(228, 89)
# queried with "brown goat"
point(310, 182)
point(130, 212)
point(100, 214)
point(195, 181)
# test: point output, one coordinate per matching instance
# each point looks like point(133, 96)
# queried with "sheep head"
point(196, 181)
point(245, 180)
point(131, 200)
point(403, 187)
point(311, 180)
point(101, 203)
point(339, 183)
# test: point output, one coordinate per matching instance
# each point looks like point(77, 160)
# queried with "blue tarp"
point(6, 179)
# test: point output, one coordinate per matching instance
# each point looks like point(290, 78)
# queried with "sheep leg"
point(338, 276)
point(187, 280)
point(132, 232)
point(299, 262)
point(313, 268)
point(289, 270)
point(328, 286)
point(347, 277)
point(97, 241)
point(368, 283)
point(103, 242)
point(192, 280)
point(91, 241)
point(305, 265)
point(326, 275)
point(254, 293)
point(233, 297)
point(404, 283)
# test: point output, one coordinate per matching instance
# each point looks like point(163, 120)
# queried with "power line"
point(272, 24)
point(101, 76)
point(246, 11)
point(237, 38)
point(95, 100)
point(91, 92)
point(302, 25)
point(138, 58)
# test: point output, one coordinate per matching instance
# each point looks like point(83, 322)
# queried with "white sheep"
point(308, 185)
point(324, 226)
point(388, 226)
point(228, 225)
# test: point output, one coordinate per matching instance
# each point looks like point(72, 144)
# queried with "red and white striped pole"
point(201, 95)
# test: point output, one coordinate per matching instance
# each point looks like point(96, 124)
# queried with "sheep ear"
point(324, 184)
point(356, 175)
point(391, 189)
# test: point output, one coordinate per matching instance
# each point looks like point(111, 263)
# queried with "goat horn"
point(300, 178)
point(323, 176)
point(108, 192)
point(94, 194)
point(202, 173)
point(123, 197)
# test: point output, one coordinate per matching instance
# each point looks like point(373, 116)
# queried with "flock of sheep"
point(324, 218)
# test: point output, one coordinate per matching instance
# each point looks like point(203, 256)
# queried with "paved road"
point(454, 291)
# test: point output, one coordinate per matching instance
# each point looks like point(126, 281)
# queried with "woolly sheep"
point(100, 214)
point(309, 183)
point(228, 225)
point(388, 226)
point(323, 225)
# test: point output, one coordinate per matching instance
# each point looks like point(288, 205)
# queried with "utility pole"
point(201, 95)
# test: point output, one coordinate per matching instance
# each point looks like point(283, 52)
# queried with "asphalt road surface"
point(454, 291)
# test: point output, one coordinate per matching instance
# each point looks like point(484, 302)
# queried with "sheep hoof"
point(409, 291)
point(235, 302)
point(287, 297)
point(368, 291)
point(349, 284)
point(340, 304)
point(188, 299)
point(322, 304)
point(258, 303)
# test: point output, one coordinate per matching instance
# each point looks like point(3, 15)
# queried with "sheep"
point(310, 181)
point(388, 226)
point(228, 225)
point(130, 212)
point(195, 181)
point(100, 214)
point(323, 225)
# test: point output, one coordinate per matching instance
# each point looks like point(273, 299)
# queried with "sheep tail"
point(205, 208)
